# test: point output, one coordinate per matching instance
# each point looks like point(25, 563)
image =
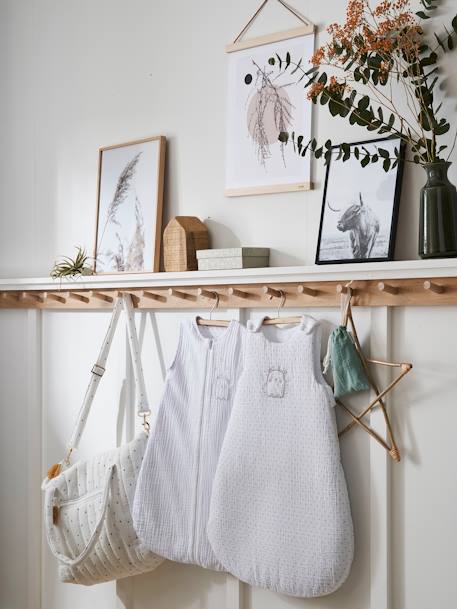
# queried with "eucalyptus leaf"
point(297, 67)
point(366, 159)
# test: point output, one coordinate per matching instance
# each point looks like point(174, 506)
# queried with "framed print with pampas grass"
point(129, 206)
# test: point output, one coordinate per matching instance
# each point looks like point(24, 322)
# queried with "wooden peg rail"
point(366, 293)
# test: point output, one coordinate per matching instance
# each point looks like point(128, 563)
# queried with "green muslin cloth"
point(349, 375)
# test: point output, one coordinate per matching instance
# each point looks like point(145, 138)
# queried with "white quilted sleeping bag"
point(280, 515)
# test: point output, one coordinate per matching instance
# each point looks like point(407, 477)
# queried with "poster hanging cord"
point(260, 9)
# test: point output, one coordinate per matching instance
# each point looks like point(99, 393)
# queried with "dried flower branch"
point(372, 53)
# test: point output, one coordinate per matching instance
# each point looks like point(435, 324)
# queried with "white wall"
point(404, 514)
point(79, 75)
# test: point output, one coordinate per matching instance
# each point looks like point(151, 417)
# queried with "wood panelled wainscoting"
point(403, 512)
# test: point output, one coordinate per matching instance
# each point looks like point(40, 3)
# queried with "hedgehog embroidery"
point(276, 383)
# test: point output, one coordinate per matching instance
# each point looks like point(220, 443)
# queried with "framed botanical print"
point(360, 206)
point(266, 97)
point(129, 206)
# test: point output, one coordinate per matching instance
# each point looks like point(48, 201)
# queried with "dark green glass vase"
point(438, 214)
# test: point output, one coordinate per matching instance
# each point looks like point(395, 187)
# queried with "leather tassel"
point(54, 470)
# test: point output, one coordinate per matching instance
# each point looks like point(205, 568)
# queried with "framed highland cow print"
point(129, 207)
point(360, 204)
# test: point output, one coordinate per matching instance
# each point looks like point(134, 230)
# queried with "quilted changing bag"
point(87, 506)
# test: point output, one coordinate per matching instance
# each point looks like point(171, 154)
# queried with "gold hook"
point(145, 415)
point(67, 458)
point(146, 425)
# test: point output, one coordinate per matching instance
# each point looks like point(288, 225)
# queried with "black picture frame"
point(395, 207)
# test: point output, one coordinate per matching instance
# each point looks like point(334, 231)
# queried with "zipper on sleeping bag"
point(208, 354)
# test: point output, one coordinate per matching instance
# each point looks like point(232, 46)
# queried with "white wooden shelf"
point(409, 269)
point(402, 283)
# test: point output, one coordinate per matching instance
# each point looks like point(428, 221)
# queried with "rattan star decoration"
point(390, 445)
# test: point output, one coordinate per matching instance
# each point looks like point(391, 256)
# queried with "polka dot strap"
point(142, 404)
point(98, 369)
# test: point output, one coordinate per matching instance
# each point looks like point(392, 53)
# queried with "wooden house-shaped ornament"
point(182, 237)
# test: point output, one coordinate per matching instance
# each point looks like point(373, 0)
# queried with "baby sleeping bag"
point(280, 515)
point(172, 496)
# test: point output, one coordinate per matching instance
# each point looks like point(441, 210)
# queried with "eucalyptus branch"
point(372, 48)
point(345, 152)
point(390, 107)
point(369, 123)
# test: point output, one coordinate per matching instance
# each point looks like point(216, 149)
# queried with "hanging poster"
point(266, 96)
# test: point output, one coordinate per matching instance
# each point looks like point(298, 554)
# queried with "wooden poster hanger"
point(306, 28)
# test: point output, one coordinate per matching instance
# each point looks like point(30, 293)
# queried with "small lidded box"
point(233, 258)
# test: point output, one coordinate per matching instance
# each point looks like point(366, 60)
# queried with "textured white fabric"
point(88, 492)
point(280, 515)
point(174, 486)
point(88, 506)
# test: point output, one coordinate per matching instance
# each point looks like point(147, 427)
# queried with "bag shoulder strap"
point(142, 403)
point(98, 369)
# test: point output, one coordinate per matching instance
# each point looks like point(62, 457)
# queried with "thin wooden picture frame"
point(232, 188)
point(395, 205)
point(157, 213)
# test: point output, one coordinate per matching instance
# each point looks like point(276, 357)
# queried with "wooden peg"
point(180, 295)
point(100, 296)
point(207, 294)
point(55, 297)
point(153, 296)
point(386, 287)
point(433, 287)
point(133, 296)
point(238, 293)
point(33, 296)
point(79, 297)
point(271, 292)
point(9, 296)
point(303, 289)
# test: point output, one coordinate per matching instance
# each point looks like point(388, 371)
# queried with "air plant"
point(72, 267)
